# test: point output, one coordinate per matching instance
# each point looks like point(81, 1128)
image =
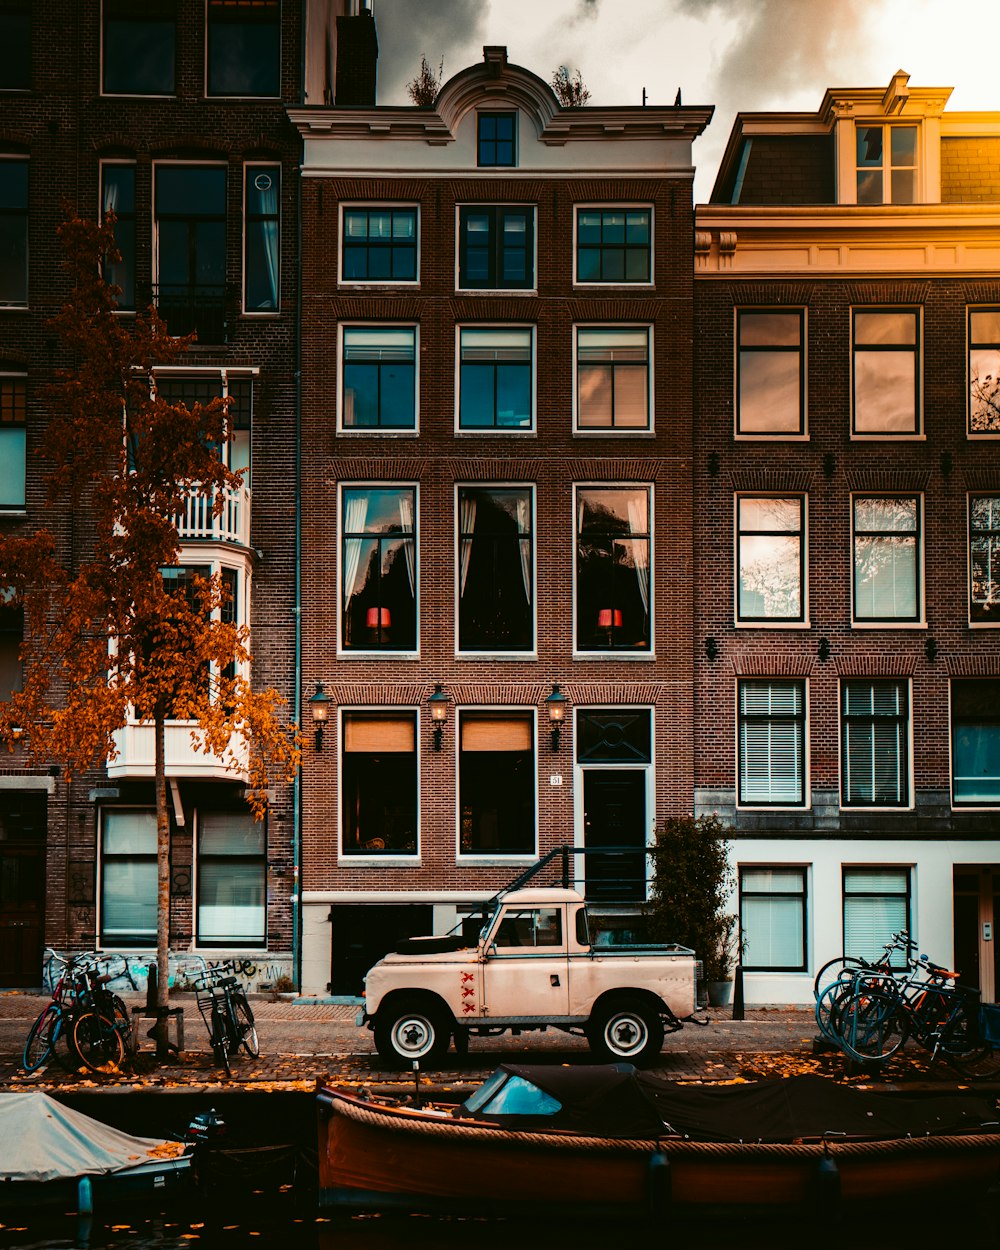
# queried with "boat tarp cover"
point(41, 1140)
point(616, 1100)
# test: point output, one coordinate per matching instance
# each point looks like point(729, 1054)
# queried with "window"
point(232, 879)
point(984, 370)
point(379, 389)
point(190, 389)
point(613, 587)
point(773, 919)
point(874, 752)
point(12, 441)
point(770, 558)
point(379, 568)
point(379, 783)
point(190, 203)
point(613, 245)
point(497, 139)
point(532, 926)
point(13, 232)
point(15, 45)
point(886, 371)
point(772, 740)
point(770, 373)
point(11, 638)
point(262, 238)
point(886, 558)
point(128, 877)
point(118, 197)
point(984, 559)
point(140, 45)
point(495, 378)
point(612, 378)
point(496, 247)
point(887, 164)
point(379, 245)
point(876, 905)
point(495, 574)
point(975, 742)
point(496, 782)
point(244, 47)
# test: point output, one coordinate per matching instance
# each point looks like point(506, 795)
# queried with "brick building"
point(496, 478)
point(847, 486)
point(173, 115)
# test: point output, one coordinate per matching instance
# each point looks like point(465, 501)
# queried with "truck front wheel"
point(411, 1031)
point(627, 1029)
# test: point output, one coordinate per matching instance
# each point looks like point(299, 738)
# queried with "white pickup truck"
point(533, 967)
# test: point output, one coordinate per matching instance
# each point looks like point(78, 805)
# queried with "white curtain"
point(466, 523)
point(354, 522)
point(269, 230)
point(110, 195)
point(523, 545)
point(409, 551)
point(637, 524)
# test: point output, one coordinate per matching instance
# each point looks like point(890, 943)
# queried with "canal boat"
point(611, 1140)
point(51, 1155)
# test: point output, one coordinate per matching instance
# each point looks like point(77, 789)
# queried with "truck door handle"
point(554, 978)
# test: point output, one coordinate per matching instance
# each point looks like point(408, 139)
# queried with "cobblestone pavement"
point(302, 1042)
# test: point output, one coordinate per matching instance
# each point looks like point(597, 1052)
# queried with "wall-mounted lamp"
point(823, 650)
point(557, 704)
point(931, 650)
point(438, 704)
point(711, 648)
point(16, 733)
point(319, 705)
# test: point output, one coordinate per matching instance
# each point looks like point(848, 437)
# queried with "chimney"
point(357, 59)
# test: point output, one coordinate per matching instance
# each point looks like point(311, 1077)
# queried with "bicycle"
point(93, 1021)
point(224, 1007)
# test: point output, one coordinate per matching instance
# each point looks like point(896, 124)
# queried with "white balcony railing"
point(136, 745)
point(231, 525)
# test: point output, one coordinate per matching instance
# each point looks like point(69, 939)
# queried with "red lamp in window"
point(378, 618)
point(608, 618)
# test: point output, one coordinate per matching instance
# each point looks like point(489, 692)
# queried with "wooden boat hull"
point(385, 1158)
point(152, 1179)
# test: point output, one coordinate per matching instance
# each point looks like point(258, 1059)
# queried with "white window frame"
point(494, 858)
point(502, 290)
point(907, 684)
point(979, 494)
point(971, 434)
point(379, 431)
point(532, 652)
point(917, 434)
point(616, 431)
point(248, 166)
point(199, 942)
point(784, 436)
point(406, 860)
point(772, 622)
point(887, 166)
point(610, 206)
point(920, 621)
point(347, 206)
point(806, 803)
point(622, 653)
point(496, 431)
point(362, 653)
point(99, 883)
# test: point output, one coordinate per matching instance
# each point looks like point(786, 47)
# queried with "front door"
point(22, 887)
point(614, 820)
point(977, 913)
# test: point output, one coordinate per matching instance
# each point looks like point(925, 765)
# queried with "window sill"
point(262, 314)
point(378, 655)
point(492, 860)
point(981, 806)
point(886, 437)
point(773, 807)
point(138, 95)
point(614, 286)
point(13, 308)
point(863, 809)
point(377, 287)
point(762, 436)
point(799, 625)
point(17, 514)
point(495, 291)
point(377, 432)
point(612, 432)
point(909, 625)
point(972, 624)
point(623, 654)
point(496, 432)
point(369, 861)
point(497, 656)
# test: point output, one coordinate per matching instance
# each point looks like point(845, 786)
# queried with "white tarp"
point(41, 1140)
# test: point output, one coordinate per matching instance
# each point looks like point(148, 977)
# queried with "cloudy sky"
point(735, 54)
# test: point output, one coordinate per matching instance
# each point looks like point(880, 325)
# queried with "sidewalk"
point(305, 1041)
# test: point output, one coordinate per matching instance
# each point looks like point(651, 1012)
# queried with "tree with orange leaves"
point(108, 638)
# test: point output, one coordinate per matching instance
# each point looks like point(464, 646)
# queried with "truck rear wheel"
point(628, 1029)
point(411, 1031)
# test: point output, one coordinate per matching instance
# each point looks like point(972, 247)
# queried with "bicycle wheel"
point(833, 971)
point(97, 1042)
point(827, 1004)
point(220, 1037)
point(871, 1026)
point(41, 1038)
point(245, 1023)
point(963, 1047)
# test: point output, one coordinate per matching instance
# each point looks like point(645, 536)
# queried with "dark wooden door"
point(614, 820)
point(22, 912)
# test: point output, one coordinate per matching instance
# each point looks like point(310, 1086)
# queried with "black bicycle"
point(226, 1011)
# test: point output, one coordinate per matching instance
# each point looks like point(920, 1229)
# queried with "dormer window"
point(497, 139)
point(887, 164)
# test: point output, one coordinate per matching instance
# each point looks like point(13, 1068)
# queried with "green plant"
point(692, 884)
point(423, 89)
point(283, 984)
point(571, 91)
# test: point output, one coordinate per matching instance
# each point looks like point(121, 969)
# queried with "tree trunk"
point(162, 894)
